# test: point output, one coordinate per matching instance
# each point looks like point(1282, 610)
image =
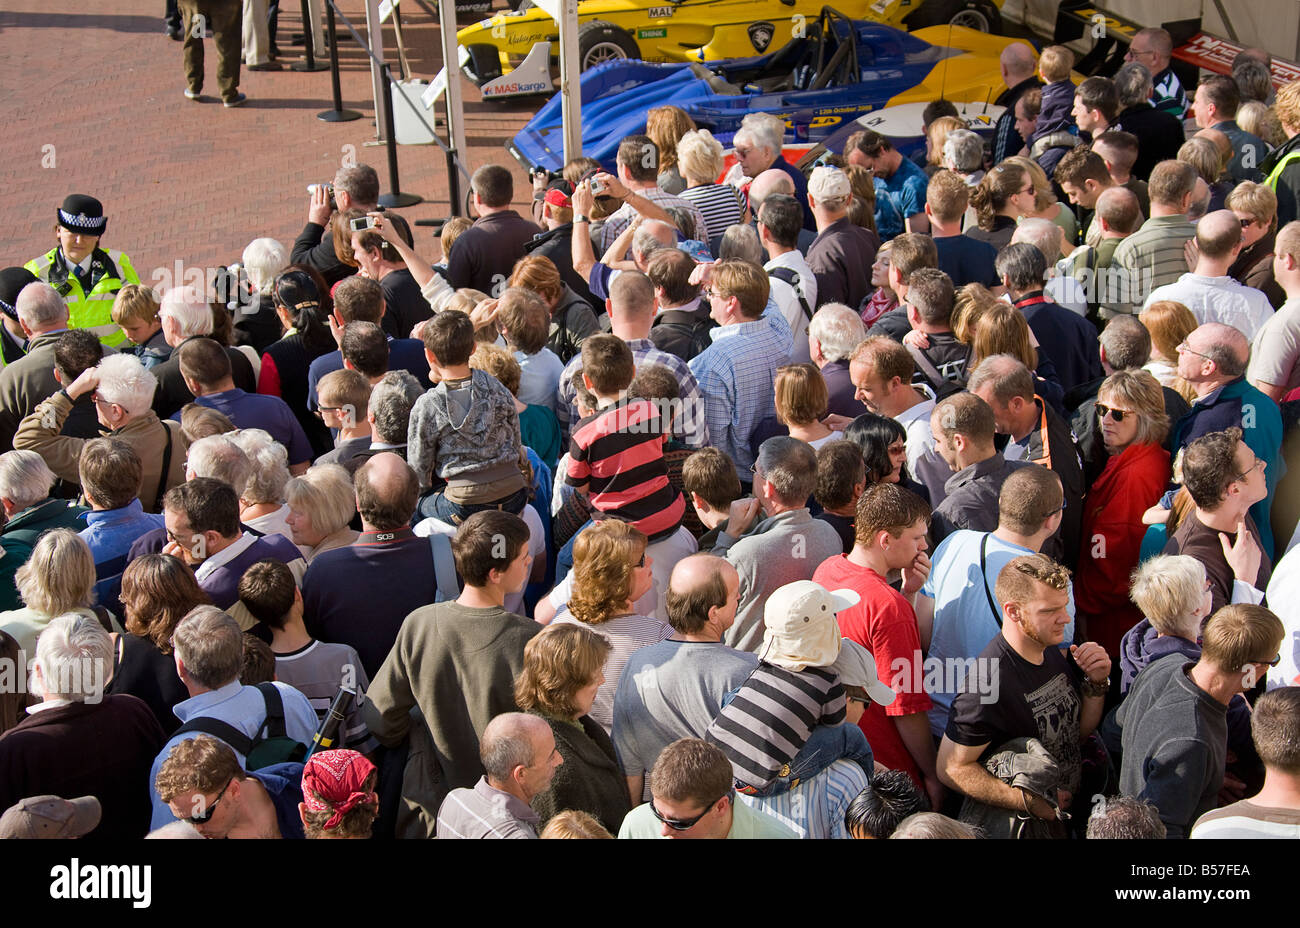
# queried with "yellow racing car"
point(527, 39)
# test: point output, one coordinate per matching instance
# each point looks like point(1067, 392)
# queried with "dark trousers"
point(173, 15)
point(225, 18)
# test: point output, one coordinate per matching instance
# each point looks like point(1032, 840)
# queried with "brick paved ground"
point(92, 97)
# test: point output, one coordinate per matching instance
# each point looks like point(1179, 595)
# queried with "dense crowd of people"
point(909, 497)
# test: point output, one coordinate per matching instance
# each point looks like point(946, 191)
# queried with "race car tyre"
point(486, 62)
point(980, 15)
point(599, 42)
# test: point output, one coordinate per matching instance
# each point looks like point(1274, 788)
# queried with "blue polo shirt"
point(404, 354)
point(257, 411)
point(898, 197)
point(109, 534)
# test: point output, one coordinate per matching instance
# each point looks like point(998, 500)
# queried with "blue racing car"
point(819, 81)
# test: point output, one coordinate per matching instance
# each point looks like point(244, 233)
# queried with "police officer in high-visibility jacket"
point(13, 340)
point(85, 275)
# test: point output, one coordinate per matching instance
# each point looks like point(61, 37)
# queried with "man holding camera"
point(355, 186)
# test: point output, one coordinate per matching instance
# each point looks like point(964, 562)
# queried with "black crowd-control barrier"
point(338, 113)
point(309, 62)
point(455, 167)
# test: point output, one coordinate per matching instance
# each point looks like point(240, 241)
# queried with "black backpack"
point(271, 744)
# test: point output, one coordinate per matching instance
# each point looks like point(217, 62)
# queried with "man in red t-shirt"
point(890, 530)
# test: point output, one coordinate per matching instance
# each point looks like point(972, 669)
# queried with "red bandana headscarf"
point(336, 777)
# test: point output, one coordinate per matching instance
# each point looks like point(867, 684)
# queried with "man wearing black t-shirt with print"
point(1040, 692)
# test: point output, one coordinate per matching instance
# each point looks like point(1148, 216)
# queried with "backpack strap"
point(791, 276)
point(274, 724)
point(166, 464)
point(444, 567)
point(242, 744)
point(927, 368)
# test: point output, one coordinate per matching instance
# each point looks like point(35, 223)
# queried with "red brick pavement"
point(92, 97)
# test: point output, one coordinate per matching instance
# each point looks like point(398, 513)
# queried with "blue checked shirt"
point(689, 425)
point(737, 376)
point(815, 808)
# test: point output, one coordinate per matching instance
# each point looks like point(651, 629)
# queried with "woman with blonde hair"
point(801, 403)
point(935, 136)
point(1169, 323)
point(563, 670)
point(574, 825)
point(611, 571)
point(1131, 415)
point(1004, 195)
point(1002, 329)
point(665, 125)
point(699, 158)
point(1046, 206)
point(322, 504)
point(883, 299)
point(158, 591)
point(58, 578)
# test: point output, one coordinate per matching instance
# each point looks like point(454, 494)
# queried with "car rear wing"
point(1111, 33)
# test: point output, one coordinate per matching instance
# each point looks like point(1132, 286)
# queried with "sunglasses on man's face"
point(684, 824)
point(206, 814)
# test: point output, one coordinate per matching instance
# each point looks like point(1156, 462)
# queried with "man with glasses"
point(692, 797)
point(1207, 290)
point(1213, 360)
point(1173, 723)
point(757, 145)
point(1153, 49)
point(203, 784)
point(1225, 479)
point(519, 761)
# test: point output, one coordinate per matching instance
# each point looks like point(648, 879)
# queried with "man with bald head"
point(1275, 358)
point(1207, 290)
point(631, 306)
point(673, 689)
point(770, 183)
point(1213, 360)
point(340, 586)
point(519, 761)
point(1153, 48)
point(1018, 64)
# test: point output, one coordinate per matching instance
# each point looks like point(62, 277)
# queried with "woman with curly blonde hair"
point(563, 670)
point(611, 571)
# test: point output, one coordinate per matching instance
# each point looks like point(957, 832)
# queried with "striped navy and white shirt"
point(720, 205)
point(771, 717)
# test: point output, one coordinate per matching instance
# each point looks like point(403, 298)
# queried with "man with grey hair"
point(77, 741)
point(842, 254)
point(1159, 133)
point(741, 241)
point(785, 543)
point(1037, 435)
point(389, 413)
point(963, 154)
point(653, 227)
point(792, 282)
point(122, 390)
point(1207, 290)
point(357, 187)
point(1067, 338)
point(30, 511)
point(1213, 360)
point(1018, 63)
point(186, 315)
point(208, 647)
point(833, 333)
point(519, 759)
point(1124, 817)
point(758, 146)
point(24, 383)
point(1049, 238)
point(221, 458)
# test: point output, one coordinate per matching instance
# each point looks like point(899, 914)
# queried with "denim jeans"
point(437, 506)
point(826, 744)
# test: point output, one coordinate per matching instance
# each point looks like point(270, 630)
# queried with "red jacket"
point(1132, 482)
